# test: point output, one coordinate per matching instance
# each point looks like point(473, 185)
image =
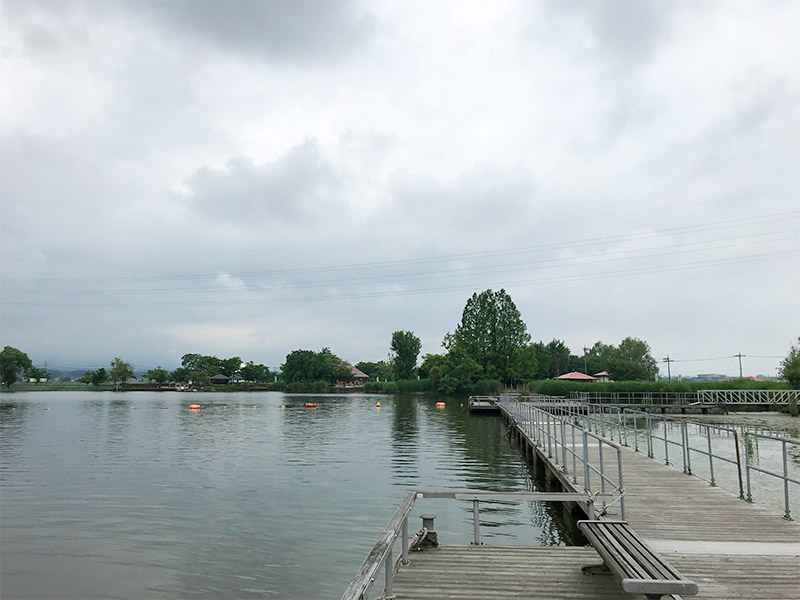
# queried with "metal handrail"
point(686, 443)
point(382, 554)
point(747, 396)
point(677, 398)
point(783, 476)
point(550, 433)
point(595, 417)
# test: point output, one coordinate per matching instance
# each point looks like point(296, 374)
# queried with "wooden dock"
point(730, 548)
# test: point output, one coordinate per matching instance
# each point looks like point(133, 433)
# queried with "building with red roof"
point(576, 376)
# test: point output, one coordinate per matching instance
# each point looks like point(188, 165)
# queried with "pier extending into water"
point(701, 401)
point(607, 467)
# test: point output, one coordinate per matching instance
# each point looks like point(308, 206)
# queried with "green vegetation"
point(489, 350)
point(120, 372)
point(95, 378)
point(792, 408)
point(790, 366)
point(158, 375)
point(405, 349)
point(490, 335)
point(12, 363)
point(307, 366)
point(377, 371)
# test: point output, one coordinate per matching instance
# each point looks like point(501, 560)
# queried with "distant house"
point(220, 379)
point(576, 376)
point(603, 376)
point(236, 379)
point(358, 376)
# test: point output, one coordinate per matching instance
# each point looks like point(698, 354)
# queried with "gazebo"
point(576, 376)
point(603, 376)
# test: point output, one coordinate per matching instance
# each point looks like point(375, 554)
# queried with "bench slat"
point(619, 561)
point(660, 568)
point(639, 569)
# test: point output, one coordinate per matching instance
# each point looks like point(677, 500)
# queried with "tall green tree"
point(201, 364)
point(790, 366)
point(96, 378)
point(12, 363)
point(255, 373)
point(159, 375)
point(524, 364)
point(432, 368)
point(632, 361)
point(459, 372)
point(308, 366)
point(405, 349)
point(491, 328)
point(381, 370)
point(559, 354)
point(598, 358)
point(120, 372)
point(230, 366)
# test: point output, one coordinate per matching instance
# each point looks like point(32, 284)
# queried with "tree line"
point(489, 349)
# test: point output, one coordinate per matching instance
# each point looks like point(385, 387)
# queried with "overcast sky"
point(253, 178)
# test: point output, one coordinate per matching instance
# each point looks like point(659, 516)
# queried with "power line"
point(426, 275)
point(434, 290)
point(710, 226)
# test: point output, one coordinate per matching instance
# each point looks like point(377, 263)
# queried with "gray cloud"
point(302, 29)
point(299, 185)
point(624, 33)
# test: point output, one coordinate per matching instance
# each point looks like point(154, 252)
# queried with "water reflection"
point(133, 495)
point(405, 445)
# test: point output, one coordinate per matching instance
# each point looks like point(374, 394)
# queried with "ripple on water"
point(235, 500)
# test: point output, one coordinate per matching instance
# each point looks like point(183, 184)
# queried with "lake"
point(133, 495)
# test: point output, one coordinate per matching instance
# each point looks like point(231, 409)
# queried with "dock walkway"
point(730, 548)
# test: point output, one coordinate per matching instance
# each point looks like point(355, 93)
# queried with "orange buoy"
point(310, 405)
point(194, 407)
point(440, 405)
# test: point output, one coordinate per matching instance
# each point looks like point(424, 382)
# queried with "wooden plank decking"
point(730, 548)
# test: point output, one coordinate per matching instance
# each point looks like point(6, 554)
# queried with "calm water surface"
point(131, 495)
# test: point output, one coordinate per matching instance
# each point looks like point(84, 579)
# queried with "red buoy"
point(194, 407)
point(310, 405)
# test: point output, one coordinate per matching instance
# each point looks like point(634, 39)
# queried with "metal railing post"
point(476, 524)
point(635, 434)
point(621, 485)
point(587, 483)
point(710, 455)
point(602, 473)
point(389, 571)
point(564, 447)
point(602, 421)
point(687, 450)
point(549, 439)
point(666, 442)
point(404, 553)
point(574, 459)
point(788, 514)
point(624, 420)
point(738, 463)
point(649, 425)
point(602, 469)
point(747, 465)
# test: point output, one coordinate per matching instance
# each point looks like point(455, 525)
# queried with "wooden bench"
point(639, 569)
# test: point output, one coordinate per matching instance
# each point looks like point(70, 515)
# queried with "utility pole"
point(585, 368)
point(739, 356)
point(669, 371)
